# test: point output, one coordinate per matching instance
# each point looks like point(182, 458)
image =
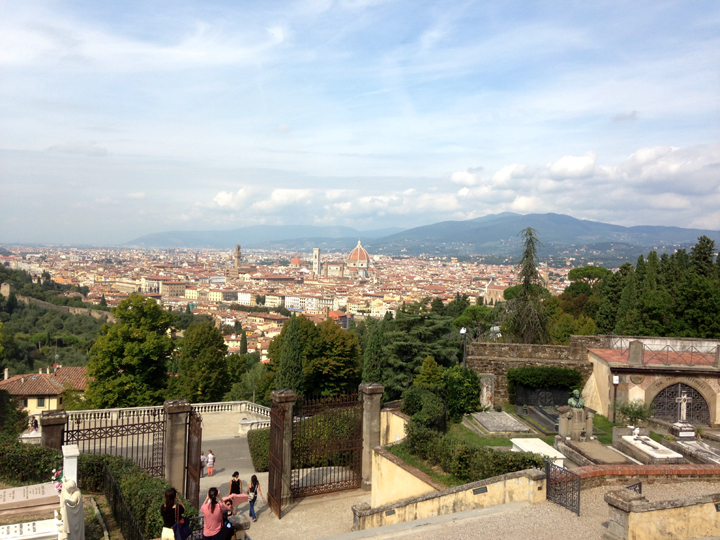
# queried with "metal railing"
point(120, 509)
point(637, 487)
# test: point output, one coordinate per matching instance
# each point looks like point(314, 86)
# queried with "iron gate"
point(563, 486)
point(326, 445)
point(135, 434)
point(277, 424)
point(667, 408)
point(192, 467)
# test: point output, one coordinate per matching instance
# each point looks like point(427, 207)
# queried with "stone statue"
point(72, 513)
point(575, 401)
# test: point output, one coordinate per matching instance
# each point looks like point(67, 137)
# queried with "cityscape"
point(344, 269)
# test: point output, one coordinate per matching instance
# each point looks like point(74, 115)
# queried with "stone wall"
point(622, 475)
point(497, 358)
point(97, 313)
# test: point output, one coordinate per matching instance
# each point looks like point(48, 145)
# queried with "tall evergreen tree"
point(290, 370)
point(335, 365)
point(701, 257)
point(243, 342)
point(627, 322)
point(373, 355)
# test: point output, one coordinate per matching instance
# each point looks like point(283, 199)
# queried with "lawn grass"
point(442, 478)
point(467, 435)
point(605, 425)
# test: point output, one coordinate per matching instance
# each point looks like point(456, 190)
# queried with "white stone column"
point(71, 452)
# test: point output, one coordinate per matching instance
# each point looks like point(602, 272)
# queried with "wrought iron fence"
point(688, 357)
point(120, 509)
point(136, 435)
point(563, 486)
point(326, 445)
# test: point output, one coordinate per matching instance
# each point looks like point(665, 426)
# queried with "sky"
point(119, 119)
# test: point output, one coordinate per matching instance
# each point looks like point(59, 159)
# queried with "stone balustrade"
point(202, 408)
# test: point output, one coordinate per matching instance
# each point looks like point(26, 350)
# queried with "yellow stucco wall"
point(392, 427)
point(697, 521)
point(504, 491)
point(597, 388)
point(391, 483)
point(51, 404)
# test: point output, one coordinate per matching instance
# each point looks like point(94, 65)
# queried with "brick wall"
point(622, 475)
point(497, 358)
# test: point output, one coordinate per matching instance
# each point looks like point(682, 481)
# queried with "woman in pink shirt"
point(213, 512)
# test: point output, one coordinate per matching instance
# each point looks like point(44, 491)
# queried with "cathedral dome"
point(296, 261)
point(358, 255)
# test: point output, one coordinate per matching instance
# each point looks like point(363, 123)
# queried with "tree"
point(589, 274)
point(243, 342)
point(290, 370)
point(701, 257)
point(203, 369)
point(335, 366)
point(524, 318)
point(437, 306)
point(373, 355)
point(246, 389)
point(128, 363)
point(103, 302)
point(430, 373)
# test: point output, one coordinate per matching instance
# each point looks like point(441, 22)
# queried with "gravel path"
point(548, 521)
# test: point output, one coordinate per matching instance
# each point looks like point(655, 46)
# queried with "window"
point(41, 402)
point(24, 402)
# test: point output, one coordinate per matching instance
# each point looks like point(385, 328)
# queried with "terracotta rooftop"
point(32, 385)
point(76, 376)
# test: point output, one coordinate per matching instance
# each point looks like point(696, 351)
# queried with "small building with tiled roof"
point(40, 391)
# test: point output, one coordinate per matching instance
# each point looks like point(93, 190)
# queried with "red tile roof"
point(37, 384)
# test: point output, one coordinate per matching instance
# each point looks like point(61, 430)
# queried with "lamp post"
point(616, 381)
point(463, 333)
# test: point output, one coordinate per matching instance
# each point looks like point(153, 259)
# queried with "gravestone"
point(682, 429)
point(500, 422)
point(636, 444)
point(33, 530)
point(539, 447)
point(27, 499)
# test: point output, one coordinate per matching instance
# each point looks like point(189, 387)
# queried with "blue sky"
point(122, 119)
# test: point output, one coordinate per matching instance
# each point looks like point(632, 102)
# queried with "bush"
point(636, 411)
point(424, 407)
point(466, 462)
point(259, 443)
point(462, 391)
point(543, 377)
point(23, 464)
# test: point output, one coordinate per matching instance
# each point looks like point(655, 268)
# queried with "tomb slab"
point(500, 422)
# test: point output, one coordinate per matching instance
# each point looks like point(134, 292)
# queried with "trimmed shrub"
point(412, 400)
point(543, 377)
point(22, 463)
point(259, 443)
point(462, 391)
point(424, 407)
point(466, 462)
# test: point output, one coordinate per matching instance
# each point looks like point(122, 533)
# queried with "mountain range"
point(495, 234)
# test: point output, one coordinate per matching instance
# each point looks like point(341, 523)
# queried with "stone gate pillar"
point(53, 425)
point(371, 398)
point(286, 398)
point(176, 440)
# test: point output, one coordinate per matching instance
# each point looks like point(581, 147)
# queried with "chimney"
point(39, 371)
point(7, 374)
point(48, 370)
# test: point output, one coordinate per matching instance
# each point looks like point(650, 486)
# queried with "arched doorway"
point(668, 409)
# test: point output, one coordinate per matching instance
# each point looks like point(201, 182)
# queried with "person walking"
point(172, 512)
point(203, 462)
point(253, 492)
point(210, 462)
point(235, 494)
point(212, 511)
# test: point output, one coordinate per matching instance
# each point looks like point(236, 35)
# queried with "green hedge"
point(543, 377)
point(424, 407)
point(22, 464)
point(462, 391)
point(259, 443)
point(466, 462)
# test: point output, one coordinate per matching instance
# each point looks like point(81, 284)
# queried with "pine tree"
point(373, 355)
point(290, 371)
point(701, 257)
point(103, 302)
point(203, 368)
point(627, 322)
point(430, 373)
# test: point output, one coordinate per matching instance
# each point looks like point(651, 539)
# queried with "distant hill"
point(252, 236)
point(495, 234)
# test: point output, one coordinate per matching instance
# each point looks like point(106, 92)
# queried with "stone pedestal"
point(575, 424)
point(176, 416)
point(371, 397)
point(53, 426)
point(487, 390)
point(71, 452)
point(286, 398)
point(577, 429)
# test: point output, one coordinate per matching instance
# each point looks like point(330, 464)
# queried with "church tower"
point(238, 254)
point(316, 261)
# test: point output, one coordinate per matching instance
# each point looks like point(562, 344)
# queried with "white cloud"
point(464, 178)
point(573, 166)
point(510, 172)
point(232, 200)
point(90, 149)
point(137, 195)
point(283, 197)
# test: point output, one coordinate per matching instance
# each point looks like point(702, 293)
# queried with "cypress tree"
point(243, 343)
point(701, 254)
point(290, 372)
point(373, 355)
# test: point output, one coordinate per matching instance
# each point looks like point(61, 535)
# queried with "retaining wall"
point(392, 426)
point(98, 314)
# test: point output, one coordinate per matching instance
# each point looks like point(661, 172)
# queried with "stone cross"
point(683, 400)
